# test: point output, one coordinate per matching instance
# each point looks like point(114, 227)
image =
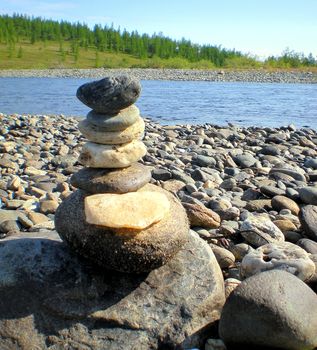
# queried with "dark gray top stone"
point(110, 95)
point(95, 180)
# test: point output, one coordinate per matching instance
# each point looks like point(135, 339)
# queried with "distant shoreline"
point(256, 76)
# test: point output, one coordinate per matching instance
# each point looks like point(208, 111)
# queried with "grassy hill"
point(37, 43)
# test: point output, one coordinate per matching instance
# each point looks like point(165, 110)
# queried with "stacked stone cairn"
point(116, 218)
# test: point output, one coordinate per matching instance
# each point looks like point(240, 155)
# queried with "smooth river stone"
point(117, 122)
point(123, 180)
point(95, 155)
point(110, 95)
point(95, 134)
point(123, 249)
point(278, 256)
point(134, 210)
point(270, 310)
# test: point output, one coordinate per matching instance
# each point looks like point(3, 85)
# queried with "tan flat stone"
point(99, 135)
point(134, 210)
point(95, 155)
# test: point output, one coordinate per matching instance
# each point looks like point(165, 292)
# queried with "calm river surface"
point(175, 102)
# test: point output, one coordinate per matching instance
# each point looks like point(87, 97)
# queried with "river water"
point(175, 102)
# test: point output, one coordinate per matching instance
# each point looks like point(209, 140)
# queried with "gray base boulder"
point(50, 299)
point(273, 309)
point(124, 250)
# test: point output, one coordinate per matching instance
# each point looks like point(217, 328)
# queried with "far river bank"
point(257, 76)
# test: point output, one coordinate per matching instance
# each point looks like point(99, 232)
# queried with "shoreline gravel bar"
point(256, 76)
point(250, 193)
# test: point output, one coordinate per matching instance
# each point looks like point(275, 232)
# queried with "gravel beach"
point(258, 76)
point(250, 193)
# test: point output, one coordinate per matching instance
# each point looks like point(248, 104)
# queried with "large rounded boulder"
point(124, 250)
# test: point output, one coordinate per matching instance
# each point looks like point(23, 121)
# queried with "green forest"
point(28, 42)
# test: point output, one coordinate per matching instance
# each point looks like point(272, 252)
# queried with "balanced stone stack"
point(116, 218)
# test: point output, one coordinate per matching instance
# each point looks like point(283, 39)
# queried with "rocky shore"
point(249, 193)
point(257, 76)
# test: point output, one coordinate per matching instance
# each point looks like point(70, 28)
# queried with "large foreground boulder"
point(52, 300)
point(273, 309)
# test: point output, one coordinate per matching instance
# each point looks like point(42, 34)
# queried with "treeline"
point(20, 28)
point(16, 28)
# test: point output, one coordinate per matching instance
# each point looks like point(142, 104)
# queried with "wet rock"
point(161, 174)
point(267, 304)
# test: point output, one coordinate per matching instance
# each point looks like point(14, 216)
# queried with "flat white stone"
point(95, 155)
point(135, 210)
point(98, 135)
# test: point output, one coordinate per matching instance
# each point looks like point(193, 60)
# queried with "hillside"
point(39, 43)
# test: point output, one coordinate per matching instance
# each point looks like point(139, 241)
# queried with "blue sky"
point(261, 27)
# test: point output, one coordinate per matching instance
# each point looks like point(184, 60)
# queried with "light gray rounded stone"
point(120, 121)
